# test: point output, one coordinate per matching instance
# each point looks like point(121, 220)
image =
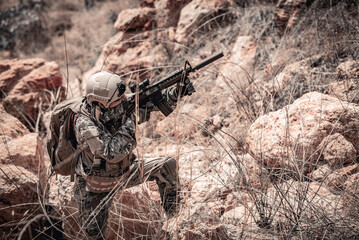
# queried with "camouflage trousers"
point(94, 207)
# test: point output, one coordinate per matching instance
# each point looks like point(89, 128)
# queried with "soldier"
point(107, 163)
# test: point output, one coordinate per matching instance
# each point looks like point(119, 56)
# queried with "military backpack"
point(62, 145)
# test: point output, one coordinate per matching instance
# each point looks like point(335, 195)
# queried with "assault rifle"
point(153, 93)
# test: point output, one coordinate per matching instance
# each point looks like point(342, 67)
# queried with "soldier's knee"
point(170, 166)
point(171, 162)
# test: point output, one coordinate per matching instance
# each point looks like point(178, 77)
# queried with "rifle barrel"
point(208, 61)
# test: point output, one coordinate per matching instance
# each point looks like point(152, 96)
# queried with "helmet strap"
point(98, 112)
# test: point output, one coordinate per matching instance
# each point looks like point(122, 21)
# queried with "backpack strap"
point(79, 146)
point(74, 163)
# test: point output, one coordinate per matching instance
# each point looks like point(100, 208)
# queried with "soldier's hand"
point(145, 112)
point(186, 88)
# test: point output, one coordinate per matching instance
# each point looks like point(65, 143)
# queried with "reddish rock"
point(337, 179)
point(25, 151)
point(289, 138)
point(195, 15)
point(10, 127)
point(298, 72)
point(348, 69)
point(257, 176)
point(172, 5)
point(321, 173)
point(135, 19)
point(346, 90)
point(30, 87)
point(47, 76)
point(265, 93)
point(18, 193)
point(168, 12)
point(23, 172)
point(351, 185)
point(11, 71)
point(239, 69)
point(336, 150)
point(134, 62)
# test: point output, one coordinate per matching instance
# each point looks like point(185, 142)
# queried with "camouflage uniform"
point(117, 168)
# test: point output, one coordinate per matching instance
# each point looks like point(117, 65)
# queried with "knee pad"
point(170, 168)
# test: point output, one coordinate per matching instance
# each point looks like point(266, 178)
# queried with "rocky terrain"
point(267, 146)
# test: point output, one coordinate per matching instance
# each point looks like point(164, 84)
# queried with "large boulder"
point(348, 69)
point(237, 73)
point(13, 70)
point(23, 171)
point(168, 12)
point(254, 175)
point(347, 88)
point(160, 13)
point(11, 127)
point(135, 58)
point(135, 19)
point(197, 15)
point(282, 78)
point(336, 150)
point(18, 146)
point(290, 137)
point(29, 87)
point(25, 151)
point(335, 179)
point(18, 193)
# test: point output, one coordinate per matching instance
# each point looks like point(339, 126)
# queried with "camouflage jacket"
point(113, 150)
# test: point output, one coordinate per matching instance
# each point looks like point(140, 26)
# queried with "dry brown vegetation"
point(228, 191)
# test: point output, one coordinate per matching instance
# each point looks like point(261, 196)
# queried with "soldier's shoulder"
point(83, 121)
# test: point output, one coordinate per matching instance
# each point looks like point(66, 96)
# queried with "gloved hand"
point(145, 112)
point(185, 88)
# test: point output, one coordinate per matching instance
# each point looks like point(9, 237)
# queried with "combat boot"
point(170, 200)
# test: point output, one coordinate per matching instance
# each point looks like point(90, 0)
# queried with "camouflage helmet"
point(105, 88)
